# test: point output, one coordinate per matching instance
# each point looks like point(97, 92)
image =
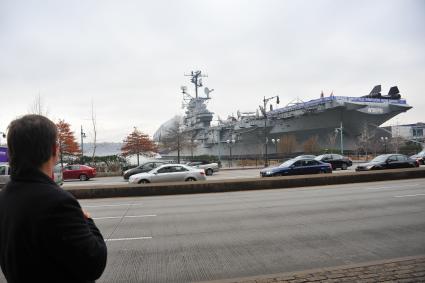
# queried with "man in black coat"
point(45, 236)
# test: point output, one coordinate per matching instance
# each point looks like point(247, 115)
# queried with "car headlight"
point(370, 166)
point(269, 172)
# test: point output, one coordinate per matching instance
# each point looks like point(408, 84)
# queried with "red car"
point(77, 171)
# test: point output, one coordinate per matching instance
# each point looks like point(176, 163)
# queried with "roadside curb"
point(404, 269)
point(129, 190)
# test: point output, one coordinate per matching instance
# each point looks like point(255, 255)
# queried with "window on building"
point(418, 132)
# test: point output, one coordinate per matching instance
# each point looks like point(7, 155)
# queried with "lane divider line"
point(109, 205)
point(119, 217)
point(128, 239)
point(405, 196)
point(394, 187)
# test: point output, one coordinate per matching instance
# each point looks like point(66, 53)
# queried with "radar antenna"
point(196, 79)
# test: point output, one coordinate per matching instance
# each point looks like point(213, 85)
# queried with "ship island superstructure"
point(251, 133)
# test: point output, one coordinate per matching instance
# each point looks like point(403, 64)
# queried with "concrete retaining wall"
point(127, 190)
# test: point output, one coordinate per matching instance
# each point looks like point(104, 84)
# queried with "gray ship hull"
point(308, 127)
point(318, 122)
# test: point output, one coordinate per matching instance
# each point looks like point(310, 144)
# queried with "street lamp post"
point(340, 130)
point(83, 135)
point(230, 143)
point(384, 140)
point(275, 142)
point(192, 145)
point(265, 101)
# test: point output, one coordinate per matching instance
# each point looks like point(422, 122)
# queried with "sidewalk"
point(403, 270)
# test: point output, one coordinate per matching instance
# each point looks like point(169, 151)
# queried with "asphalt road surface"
point(188, 238)
point(221, 175)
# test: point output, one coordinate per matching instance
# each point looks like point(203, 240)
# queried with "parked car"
point(305, 156)
point(297, 167)
point(336, 160)
point(169, 173)
point(209, 167)
point(420, 157)
point(58, 175)
point(144, 167)
point(388, 161)
point(78, 171)
point(4, 174)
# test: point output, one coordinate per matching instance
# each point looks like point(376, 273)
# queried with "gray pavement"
point(186, 238)
point(229, 235)
point(397, 270)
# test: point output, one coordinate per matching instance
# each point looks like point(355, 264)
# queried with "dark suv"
point(144, 167)
point(336, 160)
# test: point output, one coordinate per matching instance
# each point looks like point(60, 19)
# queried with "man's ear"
point(55, 153)
point(55, 150)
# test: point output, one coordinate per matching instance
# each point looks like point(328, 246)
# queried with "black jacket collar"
point(32, 175)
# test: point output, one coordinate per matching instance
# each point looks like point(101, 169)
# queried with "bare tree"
point(38, 107)
point(364, 140)
point(175, 139)
point(331, 139)
point(93, 120)
point(311, 145)
point(288, 144)
point(191, 142)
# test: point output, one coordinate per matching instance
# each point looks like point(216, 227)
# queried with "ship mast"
point(196, 79)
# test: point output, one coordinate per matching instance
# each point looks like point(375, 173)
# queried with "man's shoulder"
point(44, 192)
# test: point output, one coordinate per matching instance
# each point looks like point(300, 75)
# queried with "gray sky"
point(129, 57)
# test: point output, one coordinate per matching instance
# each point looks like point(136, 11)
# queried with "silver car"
point(169, 173)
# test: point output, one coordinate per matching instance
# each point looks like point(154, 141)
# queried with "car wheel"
point(344, 166)
point(83, 177)
point(209, 172)
point(143, 181)
point(190, 179)
point(322, 172)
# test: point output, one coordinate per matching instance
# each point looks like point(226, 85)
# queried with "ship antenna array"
point(196, 79)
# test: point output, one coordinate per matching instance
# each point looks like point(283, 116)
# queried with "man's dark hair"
point(31, 141)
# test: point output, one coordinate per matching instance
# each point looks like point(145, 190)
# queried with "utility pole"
point(264, 111)
point(230, 143)
point(340, 130)
point(83, 135)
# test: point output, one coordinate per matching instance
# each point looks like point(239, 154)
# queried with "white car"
point(4, 174)
point(209, 167)
point(169, 173)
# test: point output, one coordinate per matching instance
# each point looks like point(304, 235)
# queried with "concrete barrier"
point(128, 190)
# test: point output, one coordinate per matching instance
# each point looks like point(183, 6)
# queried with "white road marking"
point(394, 187)
point(128, 239)
point(405, 196)
point(128, 216)
point(108, 205)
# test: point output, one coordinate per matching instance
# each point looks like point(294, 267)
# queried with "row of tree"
point(136, 143)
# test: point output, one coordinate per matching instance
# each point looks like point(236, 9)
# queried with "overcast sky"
point(130, 57)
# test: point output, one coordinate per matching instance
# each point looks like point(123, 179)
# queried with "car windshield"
point(287, 163)
point(380, 158)
point(319, 157)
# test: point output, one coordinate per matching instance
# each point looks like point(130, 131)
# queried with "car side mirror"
point(292, 166)
point(155, 173)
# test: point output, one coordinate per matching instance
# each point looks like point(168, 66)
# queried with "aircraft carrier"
point(263, 131)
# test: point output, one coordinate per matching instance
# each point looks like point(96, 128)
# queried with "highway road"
point(186, 238)
point(221, 175)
